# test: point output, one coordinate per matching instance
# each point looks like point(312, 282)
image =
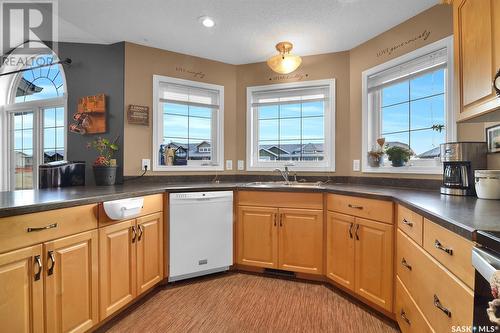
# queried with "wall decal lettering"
point(389, 50)
point(195, 74)
point(284, 77)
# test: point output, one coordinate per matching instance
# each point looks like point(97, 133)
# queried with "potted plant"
point(398, 155)
point(376, 154)
point(104, 166)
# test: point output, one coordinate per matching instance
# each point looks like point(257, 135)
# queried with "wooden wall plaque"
point(138, 114)
point(90, 116)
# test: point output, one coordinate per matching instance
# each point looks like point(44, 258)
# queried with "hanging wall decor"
point(90, 117)
point(138, 115)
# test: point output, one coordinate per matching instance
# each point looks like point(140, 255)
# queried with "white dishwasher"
point(200, 233)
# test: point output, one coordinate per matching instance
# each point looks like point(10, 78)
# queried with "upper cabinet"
point(477, 55)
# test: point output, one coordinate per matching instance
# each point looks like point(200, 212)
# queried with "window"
point(291, 124)
point(408, 104)
point(188, 117)
point(36, 121)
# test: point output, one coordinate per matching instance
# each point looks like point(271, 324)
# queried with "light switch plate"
point(356, 165)
point(146, 162)
point(241, 165)
point(229, 164)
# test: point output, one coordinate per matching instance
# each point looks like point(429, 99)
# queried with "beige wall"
point(346, 67)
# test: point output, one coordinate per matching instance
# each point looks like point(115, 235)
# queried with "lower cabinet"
point(282, 238)
point(360, 257)
point(130, 259)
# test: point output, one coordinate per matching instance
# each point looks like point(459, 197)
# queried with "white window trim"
point(158, 126)
point(449, 103)
point(314, 166)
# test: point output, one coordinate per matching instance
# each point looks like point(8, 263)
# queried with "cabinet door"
point(257, 230)
point(71, 282)
point(374, 278)
point(300, 240)
point(21, 290)
point(477, 57)
point(117, 266)
point(149, 251)
point(340, 249)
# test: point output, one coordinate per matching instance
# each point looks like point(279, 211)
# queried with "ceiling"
point(245, 32)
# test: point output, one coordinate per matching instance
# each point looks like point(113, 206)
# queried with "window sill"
point(187, 168)
point(435, 170)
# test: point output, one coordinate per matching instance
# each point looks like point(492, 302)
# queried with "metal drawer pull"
point(50, 226)
point(356, 232)
point(439, 246)
point(52, 259)
point(134, 234)
point(355, 206)
point(437, 304)
point(404, 317)
point(405, 264)
point(141, 231)
point(38, 263)
point(408, 223)
point(350, 230)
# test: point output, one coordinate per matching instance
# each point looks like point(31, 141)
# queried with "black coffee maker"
point(460, 159)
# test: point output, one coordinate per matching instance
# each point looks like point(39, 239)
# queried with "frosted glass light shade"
point(284, 63)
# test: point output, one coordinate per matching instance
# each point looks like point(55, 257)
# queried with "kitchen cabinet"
point(340, 249)
point(21, 290)
point(477, 55)
point(71, 283)
point(130, 260)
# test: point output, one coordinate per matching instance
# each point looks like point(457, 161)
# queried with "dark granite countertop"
point(462, 215)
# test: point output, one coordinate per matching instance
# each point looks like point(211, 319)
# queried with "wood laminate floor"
point(239, 302)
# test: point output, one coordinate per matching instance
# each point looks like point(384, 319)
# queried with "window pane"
point(267, 154)
point(173, 108)
point(199, 150)
point(28, 139)
point(288, 150)
point(310, 109)
point(200, 128)
point(399, 139)
point(426, 143)
point(196, 111)
point(60, 137)
point(427, 112)
point(27, 120)
point(395, 118)
point(290, 129)
point(268, 112)
point(313, 128)
point(175, 126)
point(312, 150)
point(268, 130)
point(23, 169)
point(427, 84)
point(396, 93)
point(60, 117)
point(18, 121)
point(290, 110)
point(49, 138)
point(49, 118)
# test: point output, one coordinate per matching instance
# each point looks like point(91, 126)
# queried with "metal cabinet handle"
point(405, 264)
point(275, 217)
point(52, 259)
point(408, 223)
point(141, 231)
point(38, 263)
point(437, 304)
point(350, 230)
point(50, 226)
point(134, 234)
point(355, 206)
point(356, 232)
point(404, 317)
point(281, 219)
point(439, 246)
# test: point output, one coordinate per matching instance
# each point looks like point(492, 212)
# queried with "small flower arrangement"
point(105, 150)
point(376, 154)
point(398, 155)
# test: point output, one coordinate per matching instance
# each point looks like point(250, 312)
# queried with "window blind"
point(181, 94)
point(411, 68)
point(290, 96)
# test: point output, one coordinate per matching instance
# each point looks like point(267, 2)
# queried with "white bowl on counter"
point(487, 184)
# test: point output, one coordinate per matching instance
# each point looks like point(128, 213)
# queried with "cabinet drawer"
point(28, 229)
point(373, 209)
point(408, 315)
point(451, 250)
point(411, 223)
point(152, 204)
point(281, 199)
point(444, 300)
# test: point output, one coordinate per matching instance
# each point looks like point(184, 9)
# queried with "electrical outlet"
point(241, 165)
point(356, 166)
point(229, 164)
point(146, 162)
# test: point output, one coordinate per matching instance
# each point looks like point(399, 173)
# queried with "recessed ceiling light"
point(207, 21)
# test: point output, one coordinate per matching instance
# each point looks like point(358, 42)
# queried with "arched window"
point(36, 120)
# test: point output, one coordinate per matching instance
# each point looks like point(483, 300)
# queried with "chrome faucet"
point(284, 173)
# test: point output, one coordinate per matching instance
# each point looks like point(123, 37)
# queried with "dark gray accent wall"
point(95, 69)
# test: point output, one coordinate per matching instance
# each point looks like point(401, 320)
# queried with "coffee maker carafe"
point(460, 159)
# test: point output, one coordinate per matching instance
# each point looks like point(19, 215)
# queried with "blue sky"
point(178, 126)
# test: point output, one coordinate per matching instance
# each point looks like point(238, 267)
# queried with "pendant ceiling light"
point(284, 62)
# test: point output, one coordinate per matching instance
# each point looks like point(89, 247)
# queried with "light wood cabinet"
point(21, 290)
point(71, 283)
point(340, 249)
point(477, 55)
point(301, 240)
point(408, 315)
point(149, 251)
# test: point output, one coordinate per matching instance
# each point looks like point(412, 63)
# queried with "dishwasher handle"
point(485, 263)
